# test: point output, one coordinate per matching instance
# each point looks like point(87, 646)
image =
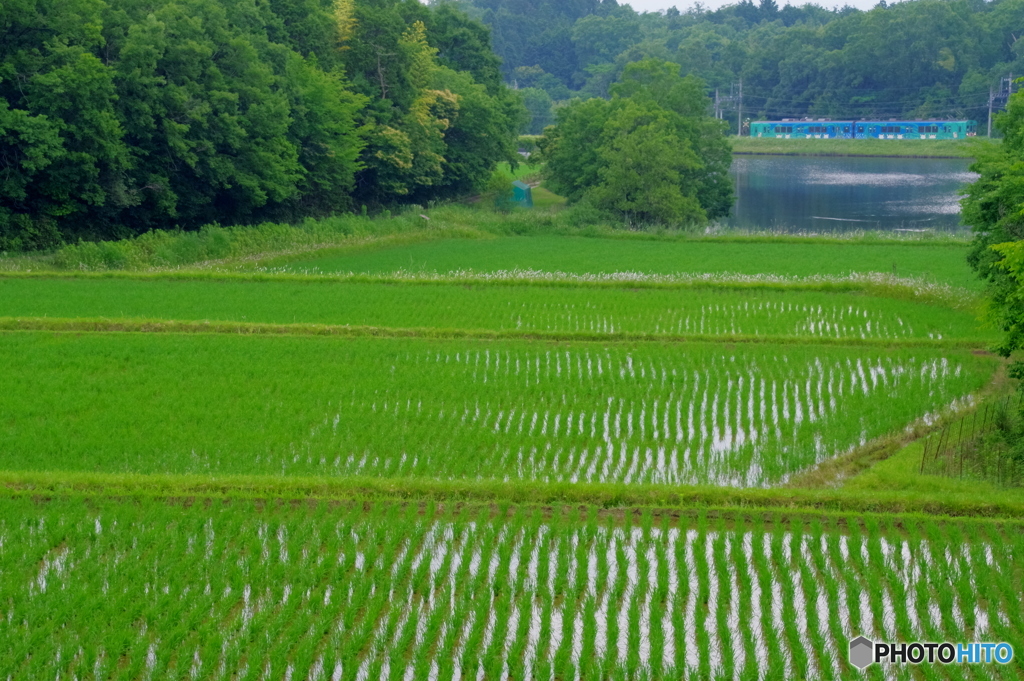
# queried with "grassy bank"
point(239, 246)
point(968, 148)
point(675, 501)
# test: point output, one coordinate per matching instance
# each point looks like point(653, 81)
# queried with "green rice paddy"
point(689, 311)
point(942, 263)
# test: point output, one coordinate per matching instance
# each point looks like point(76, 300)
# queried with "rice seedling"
point(150, 590)
point(566, 412)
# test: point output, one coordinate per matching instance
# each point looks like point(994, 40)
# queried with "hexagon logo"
point(861, 652)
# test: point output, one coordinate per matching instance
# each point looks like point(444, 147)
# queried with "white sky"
point(683, 5)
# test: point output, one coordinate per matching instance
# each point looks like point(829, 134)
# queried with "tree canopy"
point(120, 116)
point(650, 154)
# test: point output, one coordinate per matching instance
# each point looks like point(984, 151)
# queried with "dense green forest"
point(121, 116)
point(922, 58)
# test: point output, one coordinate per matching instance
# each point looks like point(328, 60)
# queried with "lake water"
point(822, 194)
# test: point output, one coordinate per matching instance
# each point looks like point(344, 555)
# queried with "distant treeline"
point(120, 116)
point(913, 59)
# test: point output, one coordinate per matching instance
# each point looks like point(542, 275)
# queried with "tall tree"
point(433, 131)
point(61, 148)
point(994, 208)
point(650, 154)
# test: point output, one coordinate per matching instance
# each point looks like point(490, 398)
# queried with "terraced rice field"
point(149, 590)
point(574, 412)
point(678, 311)
point(471, 388)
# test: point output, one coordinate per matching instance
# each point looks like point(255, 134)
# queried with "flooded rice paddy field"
point(743, 415)
point(239, 590)
point(559, 309)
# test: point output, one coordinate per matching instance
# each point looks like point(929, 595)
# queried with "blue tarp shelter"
point(522, 195)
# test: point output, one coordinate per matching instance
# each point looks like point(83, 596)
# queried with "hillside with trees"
point(920, 59)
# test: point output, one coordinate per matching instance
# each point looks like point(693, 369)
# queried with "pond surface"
point(824, 194)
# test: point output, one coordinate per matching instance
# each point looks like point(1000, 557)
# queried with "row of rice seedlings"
point(605, 416)
point(655, 413)
point(152, 591)
point(740, 317)
point(696, 311)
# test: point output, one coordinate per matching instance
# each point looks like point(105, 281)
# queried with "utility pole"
point(991, 97)
point(999, 99)
point(718, 111)
point(739, 112)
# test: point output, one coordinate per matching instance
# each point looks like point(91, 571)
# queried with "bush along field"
point(491, 455)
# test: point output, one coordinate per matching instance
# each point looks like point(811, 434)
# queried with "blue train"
point(892, 130)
